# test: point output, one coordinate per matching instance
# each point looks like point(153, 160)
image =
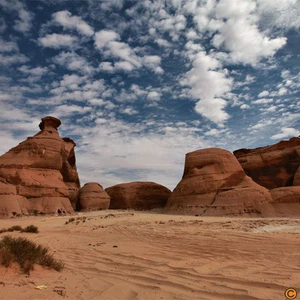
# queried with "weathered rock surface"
point(138, 195)
point(92, 197)
point(296, 180)
point(214, 183)
point(272, 166)
point(286, 202)
point(39, 175)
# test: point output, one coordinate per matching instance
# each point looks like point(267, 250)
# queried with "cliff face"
point(39, 175)
point(272, 166)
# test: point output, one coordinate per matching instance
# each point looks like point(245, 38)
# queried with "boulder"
point(272, 166)
point(214, 183)
point(92, 197)
point(138, 195)
point(39, 175)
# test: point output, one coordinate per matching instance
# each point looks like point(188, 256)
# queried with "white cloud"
point(247, 45)
point(108, 42)
point(286, 133)
point(161, 42)
point(262, 101)
point(208, 82)
point(153, 96)
point(244, 106)
point(129, 111)
point(6, 46)
point(103, 37)
point(124, 65)
point(281, 14)
point(57, 41)
point(39, 71)
point(68, 110)
point(74, 62)
point(213, 109)
point(24, 22)
point(106, 66)
point(7, 60)
point(68, 21)
point(263, 94)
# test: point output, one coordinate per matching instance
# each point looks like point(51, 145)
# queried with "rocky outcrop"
point(272, 166)
point(92, 197)
point(138, 195)
point(39, 175)
point(214, 183)
point(296, 180)
point(286, 202)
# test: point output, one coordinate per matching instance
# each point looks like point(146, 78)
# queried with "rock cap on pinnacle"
point(49, 122)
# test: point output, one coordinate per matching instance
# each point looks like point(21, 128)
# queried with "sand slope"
point(138, 255)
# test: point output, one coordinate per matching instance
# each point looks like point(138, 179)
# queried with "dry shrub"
point(26, 253)
point(30, 228)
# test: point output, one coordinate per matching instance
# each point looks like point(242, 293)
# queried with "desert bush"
point(26, 254)
point(30, 228)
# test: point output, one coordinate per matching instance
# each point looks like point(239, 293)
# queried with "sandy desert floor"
point(148, 255)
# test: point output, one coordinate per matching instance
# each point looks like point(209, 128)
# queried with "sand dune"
point(142, 255)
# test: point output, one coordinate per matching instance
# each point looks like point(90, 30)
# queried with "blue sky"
point(138, 84)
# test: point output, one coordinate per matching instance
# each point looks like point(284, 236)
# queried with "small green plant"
point(30, 228)
point(26, 254)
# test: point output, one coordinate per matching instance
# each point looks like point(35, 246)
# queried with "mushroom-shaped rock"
point(92, 197)
point(42, 172)
point(138, 195)
point(272, 166)
point(214, 183)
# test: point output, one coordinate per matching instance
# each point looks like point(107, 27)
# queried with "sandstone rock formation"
point(92, 197)
point(39, 175)
point(138, 195)
point(296, 180)
point(214, 183)
point(272, 166)
point(286, 202)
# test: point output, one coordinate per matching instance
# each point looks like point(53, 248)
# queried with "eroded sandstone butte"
point(273, 166)
point(39, 175)
point(215, 184)
point(138, 195)
point(92, 197)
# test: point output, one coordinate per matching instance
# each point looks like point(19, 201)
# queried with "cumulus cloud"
point(73, 62)
point(6, 46)
point(106, 66)
point(286, 133)
point(153, 96)
point(7, 60)
point(108, 42)
point(207, 83)
point(25, 17)
point(38, 71)
point(68, 21)
point(57, 41)
point(245, 42)
point(103, 37)
point(263, 94)
point(281, 14)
